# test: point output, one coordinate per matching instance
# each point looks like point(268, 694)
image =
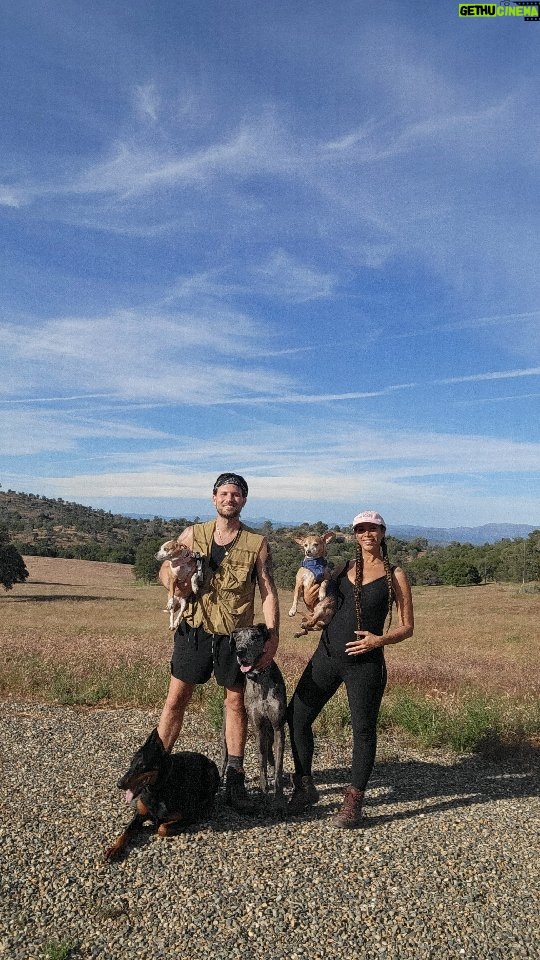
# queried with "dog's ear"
point(299, 540)
point(329, 535)
point(264, 630)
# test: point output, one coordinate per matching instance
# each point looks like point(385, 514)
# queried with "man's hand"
point(269, 651)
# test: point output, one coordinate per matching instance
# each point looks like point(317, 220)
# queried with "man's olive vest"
point(226, 597)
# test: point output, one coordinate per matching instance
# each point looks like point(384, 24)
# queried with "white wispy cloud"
point(317, 398)
point(286, 278)
point(128, 190)
point(187, 358)
point(12, 197)
point(493, 375)
point(435, 327)
point(61, 398)
point(410, 471)
point(24, 434)
point(385, 139)
point(253, 146)
point(279, 276)
point(342, 449)
point(293, 493)
point(148, 100)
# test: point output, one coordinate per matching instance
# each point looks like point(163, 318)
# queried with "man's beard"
point(229, 513)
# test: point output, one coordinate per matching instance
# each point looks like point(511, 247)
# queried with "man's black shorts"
point(197, 654)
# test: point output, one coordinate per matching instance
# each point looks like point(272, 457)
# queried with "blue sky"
point(298, 241)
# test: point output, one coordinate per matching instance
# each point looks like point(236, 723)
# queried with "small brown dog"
point(312, 584)
point(181, 574)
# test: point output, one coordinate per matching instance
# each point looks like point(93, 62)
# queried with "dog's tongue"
point(246, 669)
point(129, 796)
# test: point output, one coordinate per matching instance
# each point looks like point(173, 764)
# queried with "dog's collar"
point(253, 674)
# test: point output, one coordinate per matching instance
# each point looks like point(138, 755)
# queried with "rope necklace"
point(229, 546)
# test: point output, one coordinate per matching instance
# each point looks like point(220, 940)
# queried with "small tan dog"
point(312, 582)
point(181, 574)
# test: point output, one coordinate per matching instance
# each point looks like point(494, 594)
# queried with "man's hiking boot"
point(303, 796)
point(350, 813)
point(236, 795)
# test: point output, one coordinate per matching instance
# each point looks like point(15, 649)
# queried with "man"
point(235, 559)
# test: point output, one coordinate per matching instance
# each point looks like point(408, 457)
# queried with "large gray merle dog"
point(265, 700)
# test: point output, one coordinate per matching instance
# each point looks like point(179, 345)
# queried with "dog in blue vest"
point(313, 584)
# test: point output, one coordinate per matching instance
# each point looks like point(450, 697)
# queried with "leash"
point(200, 571)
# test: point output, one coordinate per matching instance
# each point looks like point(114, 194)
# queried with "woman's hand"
point(364, 641)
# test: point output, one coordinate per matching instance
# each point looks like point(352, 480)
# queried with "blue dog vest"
point(316, 565)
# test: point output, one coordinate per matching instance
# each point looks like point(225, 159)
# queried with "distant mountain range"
point(487, 533)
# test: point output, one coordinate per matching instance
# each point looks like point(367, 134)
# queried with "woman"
point(350, 651)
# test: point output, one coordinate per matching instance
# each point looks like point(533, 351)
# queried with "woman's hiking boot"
point(236, 795)
point(303, 796)
point(350, 813)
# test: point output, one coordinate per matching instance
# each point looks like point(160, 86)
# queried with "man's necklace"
point(229, 546)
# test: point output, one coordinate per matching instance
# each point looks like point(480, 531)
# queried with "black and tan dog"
point(171, 790)
point(265, 700)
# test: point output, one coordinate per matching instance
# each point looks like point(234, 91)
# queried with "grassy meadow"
point(81, 632)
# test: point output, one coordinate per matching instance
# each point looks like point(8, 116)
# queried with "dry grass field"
point(85, 632)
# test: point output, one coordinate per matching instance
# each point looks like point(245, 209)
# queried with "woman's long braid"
point(358, 585)
point(360, 576)
point(388, 572)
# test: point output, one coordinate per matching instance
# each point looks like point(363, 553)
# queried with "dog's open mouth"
point(133, 786)
point(246, 666)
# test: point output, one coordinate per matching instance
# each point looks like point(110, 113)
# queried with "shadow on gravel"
point(427, 786)
point(224, 820)
point(434, 787)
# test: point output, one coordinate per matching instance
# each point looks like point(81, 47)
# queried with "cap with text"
point(368, 516)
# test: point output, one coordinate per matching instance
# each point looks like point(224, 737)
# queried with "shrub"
point(12, 566)
point(460, 573)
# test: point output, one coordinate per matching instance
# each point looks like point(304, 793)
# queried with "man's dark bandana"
point(232, 478)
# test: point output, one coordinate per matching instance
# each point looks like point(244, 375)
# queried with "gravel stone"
point(445, 864)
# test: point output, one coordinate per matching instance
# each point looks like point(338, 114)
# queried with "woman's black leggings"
point(365, 680)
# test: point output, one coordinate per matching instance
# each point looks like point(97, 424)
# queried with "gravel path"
point(445, 866)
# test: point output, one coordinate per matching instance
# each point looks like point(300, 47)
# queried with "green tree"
point(460, 573)
point(287, 557)
point(12, 566)
point(424, 570)
point(146, 566)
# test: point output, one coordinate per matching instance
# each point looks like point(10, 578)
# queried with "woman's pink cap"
point(368, 516)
